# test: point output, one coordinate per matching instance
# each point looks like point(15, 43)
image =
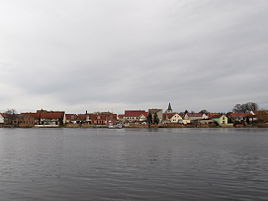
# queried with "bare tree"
point(204, 111)
point(245, 108)
point(10, 116)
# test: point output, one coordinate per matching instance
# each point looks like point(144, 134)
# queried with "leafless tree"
point(244, 108)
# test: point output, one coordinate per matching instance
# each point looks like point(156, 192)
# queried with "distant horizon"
point(122, 111)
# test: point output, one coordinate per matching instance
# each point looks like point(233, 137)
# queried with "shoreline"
point(139, 126)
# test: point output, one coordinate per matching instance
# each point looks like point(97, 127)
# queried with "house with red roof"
point(221, 119)
point(195, 116)
point(103, 118)
point(135, 116)
point(71, 118)
point(213, 114)
point(121, 117)
point(44, 118)
point(171, 118)
point(241, 117)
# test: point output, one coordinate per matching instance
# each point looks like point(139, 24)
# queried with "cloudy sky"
point(100, 55)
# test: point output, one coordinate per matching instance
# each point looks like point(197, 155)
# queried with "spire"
point(169, 110)
point(169, 106)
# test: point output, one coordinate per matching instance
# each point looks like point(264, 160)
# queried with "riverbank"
point(258, 125)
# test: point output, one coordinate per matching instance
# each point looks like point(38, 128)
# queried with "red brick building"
point(103, 118)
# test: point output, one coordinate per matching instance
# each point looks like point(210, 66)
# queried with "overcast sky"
point(100, 55)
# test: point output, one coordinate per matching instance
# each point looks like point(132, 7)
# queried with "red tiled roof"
point(71, 116)
point(35, 115)
point(51, 115)
point(81, 117)
point(104, 116)
point(194, 114)
point(213, 114)
point(168, 115)
point(135, 113)
point(46, 115)
point(120, 116)
point(239, 114)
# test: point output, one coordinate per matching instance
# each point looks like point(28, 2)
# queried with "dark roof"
point(194, 114)
point(135, 113)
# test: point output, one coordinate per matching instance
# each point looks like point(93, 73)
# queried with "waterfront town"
point(135, 119)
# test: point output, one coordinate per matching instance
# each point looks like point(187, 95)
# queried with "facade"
point(71, 118)
point(221, 119)
point(262, 116)
point(171, 118)
point(103, 118)
point(195, 116)
point(134, 116)
point(84, 118)
point(241, 117)
point(45, 118)
point(24, 120)
point(121, 117)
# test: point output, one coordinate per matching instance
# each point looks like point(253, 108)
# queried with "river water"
point(133, 164)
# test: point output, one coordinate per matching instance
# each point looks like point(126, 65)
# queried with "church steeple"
point(169, 110)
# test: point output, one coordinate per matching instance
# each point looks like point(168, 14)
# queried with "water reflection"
point(133, 164)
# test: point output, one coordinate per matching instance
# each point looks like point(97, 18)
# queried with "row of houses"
point(44, 118)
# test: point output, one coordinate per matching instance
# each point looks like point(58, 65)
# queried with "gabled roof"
point(194, 114)
point(71, 116)
point(52, 115)
point(234, 114)
point(121, 116)
point(135, 113)
point(213, 114)
point(169, 115)
point(42, 114)
point(216, 116)
point(81, 117)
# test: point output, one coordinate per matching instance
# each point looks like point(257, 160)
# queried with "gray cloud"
point(116, 55)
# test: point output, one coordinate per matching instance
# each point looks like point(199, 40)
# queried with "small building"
point(195, 116)
point(71, 118)
point(45, 118)
point(171, 118)
point(103, 118)
point(241, 117)
point(134, 116)
point(24, 120)
point(84, 118)
point(121, 117)
point(221, 119)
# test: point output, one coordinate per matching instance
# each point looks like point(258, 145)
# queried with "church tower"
point(169, 110)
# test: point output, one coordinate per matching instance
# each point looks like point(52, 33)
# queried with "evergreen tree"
point(150, 118)
point(155, 119)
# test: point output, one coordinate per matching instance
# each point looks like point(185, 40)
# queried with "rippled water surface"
point(133, 164)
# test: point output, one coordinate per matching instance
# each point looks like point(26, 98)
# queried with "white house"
point(171, 118)
point(132, 116)
point(195, 116)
